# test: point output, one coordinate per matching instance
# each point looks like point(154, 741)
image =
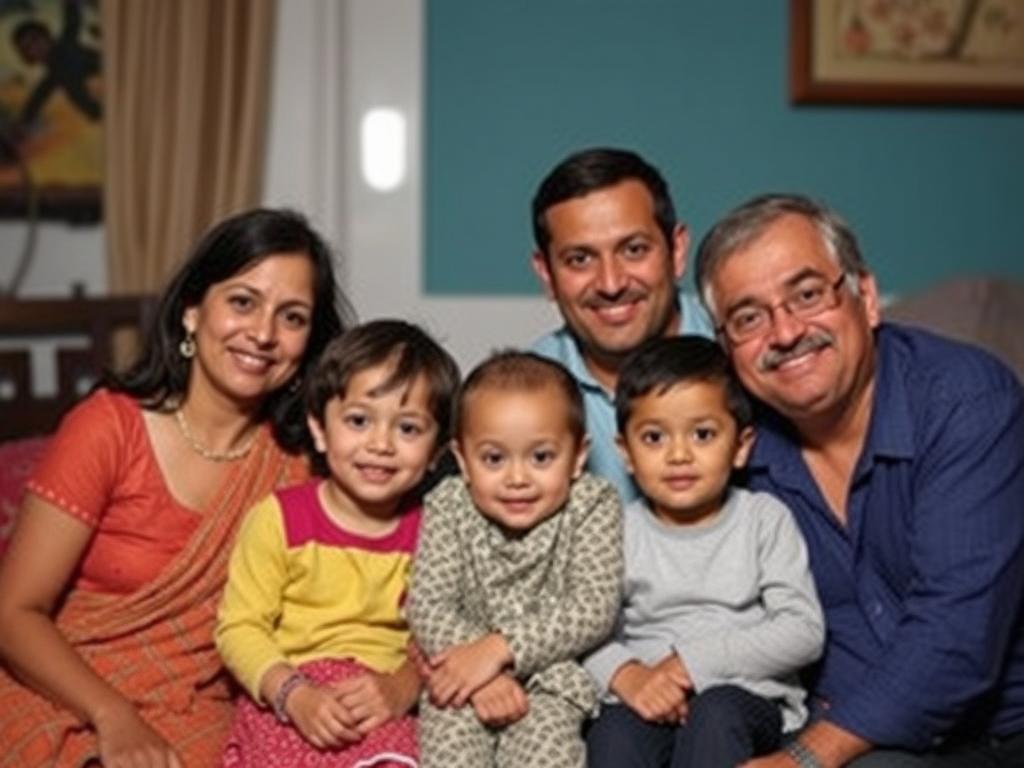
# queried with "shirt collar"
point(572, 359)
point(890, 432)
point(692, 319)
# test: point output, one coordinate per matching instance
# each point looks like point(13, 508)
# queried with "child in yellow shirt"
point(311, 620)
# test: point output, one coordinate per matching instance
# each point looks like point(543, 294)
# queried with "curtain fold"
point(186, 92)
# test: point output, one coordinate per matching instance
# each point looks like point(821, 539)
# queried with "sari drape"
point(155, 645)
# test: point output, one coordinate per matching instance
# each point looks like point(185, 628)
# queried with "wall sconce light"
point(383, 148)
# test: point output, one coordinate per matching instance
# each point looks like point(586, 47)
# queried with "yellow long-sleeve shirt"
point(301, 588)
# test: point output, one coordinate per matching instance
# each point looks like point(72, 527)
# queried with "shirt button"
point(876, 609)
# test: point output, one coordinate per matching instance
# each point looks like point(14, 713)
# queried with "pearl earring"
point(187, 347)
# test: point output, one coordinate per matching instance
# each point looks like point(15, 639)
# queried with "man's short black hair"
point(659, 364)
point(598, 168)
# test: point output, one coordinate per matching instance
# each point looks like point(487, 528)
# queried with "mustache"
point(773, 358)
point(600, 301)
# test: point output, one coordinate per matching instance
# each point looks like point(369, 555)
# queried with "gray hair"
point(744, 224)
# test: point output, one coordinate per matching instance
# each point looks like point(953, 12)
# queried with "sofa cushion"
point(985, 311)
point(18, 458)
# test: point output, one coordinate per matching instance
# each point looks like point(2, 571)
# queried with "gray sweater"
point(734, 599)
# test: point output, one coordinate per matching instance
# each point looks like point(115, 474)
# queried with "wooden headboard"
point(82, 332)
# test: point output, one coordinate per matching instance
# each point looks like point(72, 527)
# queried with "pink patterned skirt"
point(258, 740)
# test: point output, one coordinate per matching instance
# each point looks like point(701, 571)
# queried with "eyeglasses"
point(809, 297)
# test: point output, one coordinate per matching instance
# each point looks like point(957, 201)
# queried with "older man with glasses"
point(901, 455)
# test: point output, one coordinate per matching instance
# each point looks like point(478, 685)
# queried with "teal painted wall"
point(699, 88)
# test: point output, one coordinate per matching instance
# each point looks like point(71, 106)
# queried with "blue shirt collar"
point(693, 320)
point(890, 433)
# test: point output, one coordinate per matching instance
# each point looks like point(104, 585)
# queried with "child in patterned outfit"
point(720, 611)
point(311, 620)
point(517, 573)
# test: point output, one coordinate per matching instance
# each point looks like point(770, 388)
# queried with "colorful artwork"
point(915, 51)
point(50, 109)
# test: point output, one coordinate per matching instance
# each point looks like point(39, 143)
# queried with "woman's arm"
point(45, 548)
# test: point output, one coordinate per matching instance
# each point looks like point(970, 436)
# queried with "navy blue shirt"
point(922, 589)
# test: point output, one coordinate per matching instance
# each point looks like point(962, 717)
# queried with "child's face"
point(681, 447)
point(378, 446)
point(517, 454)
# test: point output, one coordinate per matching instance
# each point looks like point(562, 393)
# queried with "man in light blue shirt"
point(609, 252)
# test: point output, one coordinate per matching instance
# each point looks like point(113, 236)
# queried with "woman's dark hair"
point(160, 376)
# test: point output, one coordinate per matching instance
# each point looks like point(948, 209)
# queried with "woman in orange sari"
point(109, 589)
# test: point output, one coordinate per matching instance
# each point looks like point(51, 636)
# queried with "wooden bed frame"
point(68, 323)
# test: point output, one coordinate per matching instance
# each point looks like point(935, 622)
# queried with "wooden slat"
point(95, 319)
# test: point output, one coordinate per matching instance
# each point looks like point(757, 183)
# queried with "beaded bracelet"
point(803, 756)
point(293, 681)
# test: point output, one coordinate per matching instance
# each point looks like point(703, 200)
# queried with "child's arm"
point(314, 710)
point(656, 693)
point(375, 698)
point(500, 702)
point(435, 607)
point(586, 611)
point(792, 633)
point(251, 603)
point(249, 610)
point(461, 670)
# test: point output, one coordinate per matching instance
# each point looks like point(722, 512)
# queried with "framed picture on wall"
point(907, 51)
point(51, 162)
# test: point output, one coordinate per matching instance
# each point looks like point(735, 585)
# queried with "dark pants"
point(725, 726)
point(983, 753)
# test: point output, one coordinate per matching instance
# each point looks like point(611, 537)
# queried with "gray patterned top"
point(552, 593)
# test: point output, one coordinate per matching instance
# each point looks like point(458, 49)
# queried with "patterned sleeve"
point(83, 462)
point(436, 609)
point(588, 609)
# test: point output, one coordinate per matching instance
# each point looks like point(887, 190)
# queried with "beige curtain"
point(186, 86)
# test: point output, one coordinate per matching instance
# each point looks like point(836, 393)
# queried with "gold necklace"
point(202, 450)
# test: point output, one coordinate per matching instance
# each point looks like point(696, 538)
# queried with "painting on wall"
point(51, 162)
point(907, 51)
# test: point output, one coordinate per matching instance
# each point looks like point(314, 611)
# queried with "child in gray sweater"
point(719, 609)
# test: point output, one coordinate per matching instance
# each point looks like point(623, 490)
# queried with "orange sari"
point(154, 644)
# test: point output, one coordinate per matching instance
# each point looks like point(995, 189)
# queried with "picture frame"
point(51, 134)
point(911, 52)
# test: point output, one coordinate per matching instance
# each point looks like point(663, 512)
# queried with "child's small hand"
point(459, 671)
point(320, 717)
point(419, 659)
point(374, 698)
point(500, 702)
point(658, 693)
point(673, 666)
